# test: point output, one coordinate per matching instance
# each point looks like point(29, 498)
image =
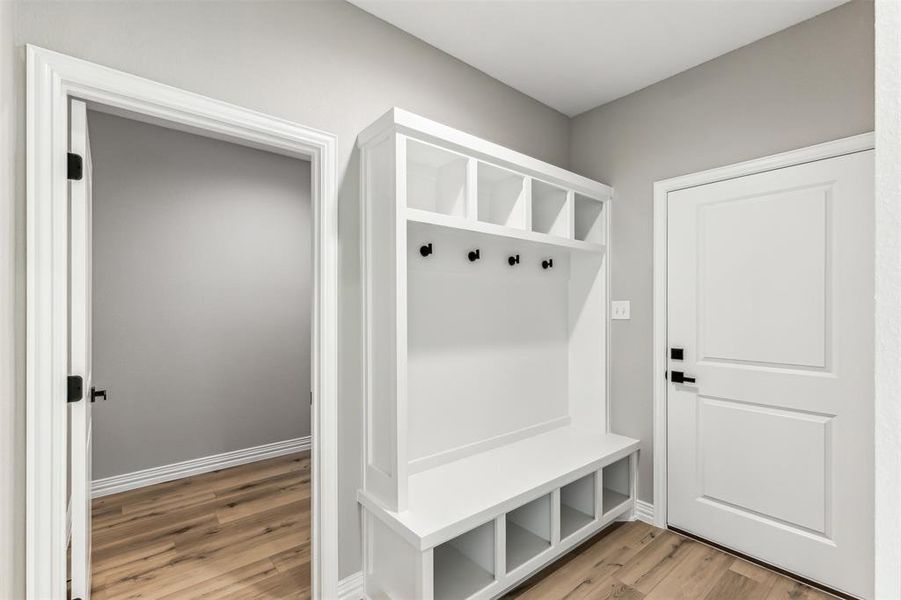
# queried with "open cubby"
point(528, 531)
point(465, 564)
point(502, 196)
point(588, 221)
point(549, 209)
point(436, 179)
point(577, 505)
point(617, 484)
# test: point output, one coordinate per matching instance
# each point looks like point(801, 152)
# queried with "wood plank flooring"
point(239, 534)
point(244, 534)
point(635, 561)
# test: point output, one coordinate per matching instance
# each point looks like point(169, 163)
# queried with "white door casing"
point(770, 294)
point(80, 351)
point(52, 79)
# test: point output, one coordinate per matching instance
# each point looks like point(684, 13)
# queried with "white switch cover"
point(619, 309)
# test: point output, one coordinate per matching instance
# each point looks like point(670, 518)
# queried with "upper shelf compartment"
point(589, 220)
point(449, 178)
point(502, 197)
point(551, 210)
point(399, 121)
point(436, 179)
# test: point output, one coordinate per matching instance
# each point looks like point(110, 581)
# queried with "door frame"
point(848, 145)
point(52, 78)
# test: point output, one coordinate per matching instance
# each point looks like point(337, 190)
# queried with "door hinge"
point(76, 388)
point(74, 167)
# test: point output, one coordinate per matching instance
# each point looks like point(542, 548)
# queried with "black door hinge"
point(76, 388)
point(74, 167)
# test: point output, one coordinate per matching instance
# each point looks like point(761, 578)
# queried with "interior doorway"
point(191, 313)
point(54, 80)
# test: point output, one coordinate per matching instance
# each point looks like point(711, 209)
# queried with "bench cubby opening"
point(578, 505)
point(528, 531)
point(436, 179)
point(617, 481)
point(464, 565)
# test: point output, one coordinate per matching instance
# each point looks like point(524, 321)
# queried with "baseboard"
point(195, 466)
point(644, 511)
point(351, 587)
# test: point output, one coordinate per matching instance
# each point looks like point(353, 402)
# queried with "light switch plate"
point(620, 309)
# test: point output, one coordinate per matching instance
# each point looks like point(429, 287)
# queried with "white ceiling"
point(575, 55)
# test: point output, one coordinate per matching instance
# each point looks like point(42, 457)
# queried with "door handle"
point(680, 377)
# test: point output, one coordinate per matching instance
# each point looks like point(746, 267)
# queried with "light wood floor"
point(244, 533)
point(238, 534)
point(635, 561)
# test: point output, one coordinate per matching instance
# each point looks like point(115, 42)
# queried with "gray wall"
point(327, 65)
point(202, 296)
point(807, 84)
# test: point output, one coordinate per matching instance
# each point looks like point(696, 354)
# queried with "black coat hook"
point(513, 260)
point(426, 249)
point(474, 255)
point(547, 263)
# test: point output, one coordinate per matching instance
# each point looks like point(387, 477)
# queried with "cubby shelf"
point(464, 565)
point(457, 576)
point(503, 476)
point(617, 480)
point(613, 500)
point(572, 520)
point(436, 179)
point(432, 218)
point(528, 531)
point(522, 545)
point(578, 505)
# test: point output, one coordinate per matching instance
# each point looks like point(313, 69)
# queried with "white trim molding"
point(351, 587)
point(52, 79)
point(644, 511)
point(195, 466)
point(888, 301)
point(849, 145)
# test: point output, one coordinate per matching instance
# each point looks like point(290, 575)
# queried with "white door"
point(770, 298)
point(80, 353)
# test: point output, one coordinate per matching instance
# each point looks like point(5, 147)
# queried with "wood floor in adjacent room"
point(237, 534)
point(635, 561)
